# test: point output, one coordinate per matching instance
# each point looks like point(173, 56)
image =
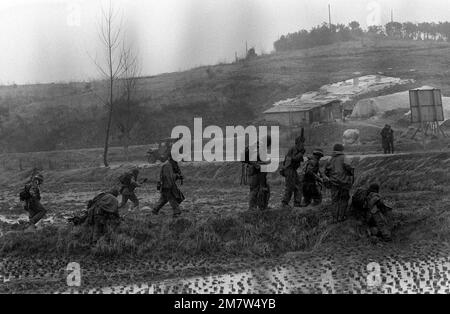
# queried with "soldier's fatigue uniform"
point(127, 190)
point(311, 190)
point(293, 186)
point(259, 187)
point(103, 213)
point(170, 193)
point(340, 175)
point(377, 216)
point(391, 141)
point(387, 140)
point(33, 205)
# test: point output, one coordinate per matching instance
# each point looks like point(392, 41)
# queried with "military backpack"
point(24, 194)
point(359, 199)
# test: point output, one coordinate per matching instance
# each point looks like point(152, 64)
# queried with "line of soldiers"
point(304, 183)
point(102, 212)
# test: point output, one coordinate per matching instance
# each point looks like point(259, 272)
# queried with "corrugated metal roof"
point(299, 105)
point(342, 91)
point(426, 87)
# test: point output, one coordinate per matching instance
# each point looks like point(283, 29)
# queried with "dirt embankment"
point(405, 172)
point(215, 219)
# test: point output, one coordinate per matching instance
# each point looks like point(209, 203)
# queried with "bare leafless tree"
point(110, 30)
point(128, 113)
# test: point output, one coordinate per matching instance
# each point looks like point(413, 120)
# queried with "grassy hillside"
point(65, 116)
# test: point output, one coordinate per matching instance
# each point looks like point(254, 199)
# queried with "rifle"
point(244, 174)
point(386, 207)
point(144, 180)
point(136, 184)
point(301, 138)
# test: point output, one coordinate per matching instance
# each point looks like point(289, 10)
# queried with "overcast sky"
point(54, 40)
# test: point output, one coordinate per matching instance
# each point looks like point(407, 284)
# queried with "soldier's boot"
point(342, 212)
point(37, 217)
point(97, 232)
point(161, 203)
point(317, 201)
point(124, 202)
point(253, 202)
point(335, 214)
point(385, 234)
point(135, 202)
point(298, 197)
point(372, 233)
point(306, 200)
point(176, 209)
point(134, 207)
point(31, 228)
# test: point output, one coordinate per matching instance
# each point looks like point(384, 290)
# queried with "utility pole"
point(329, 15)
point(246, 48)
point(392, 15)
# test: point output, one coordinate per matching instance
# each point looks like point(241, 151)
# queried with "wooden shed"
point(297, 112)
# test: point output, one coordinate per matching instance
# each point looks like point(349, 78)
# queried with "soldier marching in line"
point(129, 182)
point(168, 188)
point(31, 199)
point(312, 180)
point(340, 177)
point(259, 195)
point(293, 185)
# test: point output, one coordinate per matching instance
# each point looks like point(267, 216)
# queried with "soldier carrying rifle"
point(167, 185)
point(313, 180)
point(259, 187)
point(129, 182)
point(341, 178)
point(30, 196)
point(293, 184)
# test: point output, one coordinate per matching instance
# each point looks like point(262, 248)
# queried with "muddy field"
point(218, 246)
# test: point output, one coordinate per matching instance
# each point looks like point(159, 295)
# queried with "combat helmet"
point(39, 177)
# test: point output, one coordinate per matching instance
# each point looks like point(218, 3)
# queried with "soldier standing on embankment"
point(259, 187)
point(340, 176)
point(292, 162)
point(312, 180)
point(387, 139)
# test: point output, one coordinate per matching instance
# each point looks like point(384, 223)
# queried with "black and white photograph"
point(224, 154)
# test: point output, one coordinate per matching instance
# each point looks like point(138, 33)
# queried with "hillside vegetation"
point(71, 116)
